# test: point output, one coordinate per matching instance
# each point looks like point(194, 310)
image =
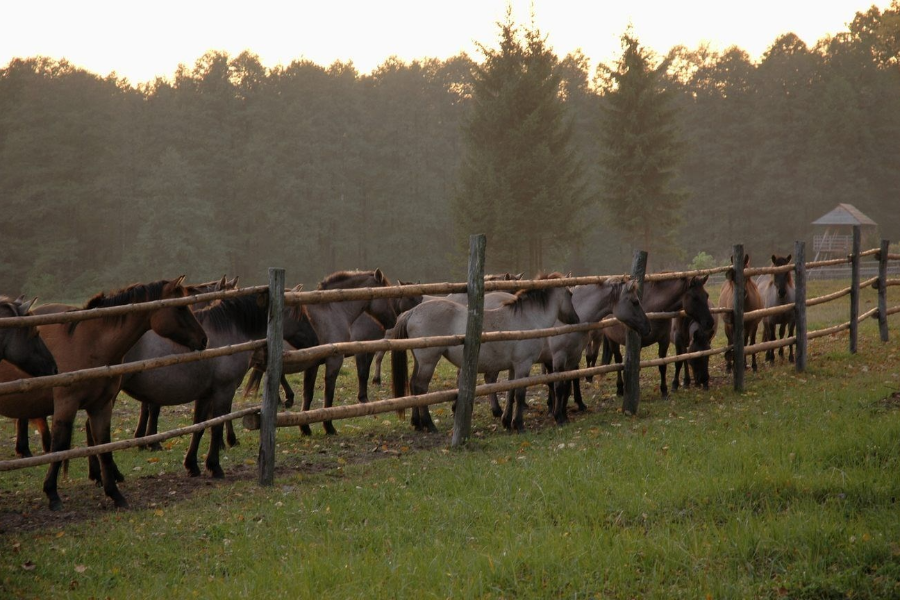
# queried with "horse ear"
point(234, 282)
point(569, 274)
point(746, 261)
point(788, 259)
point(774, 258)
point(297, 287)
point(20, 299)
point(178, 281)
point(26, 306)
point(518, 276)
point(699, 281)
point(379, 276)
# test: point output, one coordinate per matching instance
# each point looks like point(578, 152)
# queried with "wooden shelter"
point(837, 238)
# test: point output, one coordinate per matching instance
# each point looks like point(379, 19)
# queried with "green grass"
point(789, 490)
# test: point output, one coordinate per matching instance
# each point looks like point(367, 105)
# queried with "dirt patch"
point(891, 402)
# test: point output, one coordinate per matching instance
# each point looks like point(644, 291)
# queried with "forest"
point(232, 167)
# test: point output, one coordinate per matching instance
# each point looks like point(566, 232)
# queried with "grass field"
point(789, 490)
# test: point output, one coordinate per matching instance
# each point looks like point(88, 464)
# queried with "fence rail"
point(252, 415)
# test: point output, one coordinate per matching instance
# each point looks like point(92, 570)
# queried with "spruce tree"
point(520, 181)
point(641, 149)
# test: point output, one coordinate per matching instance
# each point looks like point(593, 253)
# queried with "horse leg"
point(141, 429)
point(22, 448)
point(201, 409)
point(332, 370)
point(620, 382)
point(729, 354)
point(423, 371)
point(768, 336)
point(376, 378)
point(94, 471)
point(288, 392)
point(663, 350)
point(363, 366)
point(518, 421)
point(506, 418)
point(153, 425)
point(574, 385)
point(781, 329)
point(309, 389)
point(60, 439)
point(495, 403)
point(790, 333)
point(752, 341)
point(230, 435)
point(218, 406)
point(99, 426)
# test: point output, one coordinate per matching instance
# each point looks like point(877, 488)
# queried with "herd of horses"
point(211, 384)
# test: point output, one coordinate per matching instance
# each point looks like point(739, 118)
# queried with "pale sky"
point(142, 40)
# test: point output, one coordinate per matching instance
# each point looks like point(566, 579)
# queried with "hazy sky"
point(140, 40)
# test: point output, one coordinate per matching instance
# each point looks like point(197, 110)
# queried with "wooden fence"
point(266, 419)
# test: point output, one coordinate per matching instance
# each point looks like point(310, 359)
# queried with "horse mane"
point(343, 279)
point(243, 312)
point(133, 294)
point(522, 298)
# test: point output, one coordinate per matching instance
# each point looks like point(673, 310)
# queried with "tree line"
point(232, 167)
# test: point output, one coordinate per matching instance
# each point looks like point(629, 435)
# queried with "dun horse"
point(96, 343)
point(777, 289)
point(752, 301)
point(531, 309)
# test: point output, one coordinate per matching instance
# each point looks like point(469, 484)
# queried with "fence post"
point(465, 400)
point(632, 367)
point(275, 348)
point(737, 339)
point(800, 304)
point(854, 291)
point(882, 289)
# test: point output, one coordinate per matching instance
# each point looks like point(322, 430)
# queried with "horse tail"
point(253, 382)
point(399, 372)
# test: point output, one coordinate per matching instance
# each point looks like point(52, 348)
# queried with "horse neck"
point(224, 335)
point(663, 296)
point(593, 302)
point(533, 315)
point(108, 339)
point(332, 320)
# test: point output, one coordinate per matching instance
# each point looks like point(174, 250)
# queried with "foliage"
point(641, 149)
point(703, 261)
point(520, 181)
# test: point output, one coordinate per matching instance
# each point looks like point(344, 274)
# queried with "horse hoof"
point(305, 430)
point(193, 470)
point(330, 430)
point(56, 505)
point(376, 380)
point(121, 502)
point(216, 472)
point(497, 412)
point(288, 402)
point(25, 454)
point(234, 442)
point(507, 423)
point(432, 428)
point(582, 407)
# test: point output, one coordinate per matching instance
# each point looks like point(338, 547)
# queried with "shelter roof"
point(845, 214)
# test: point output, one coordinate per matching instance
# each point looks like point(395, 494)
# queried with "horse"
point(689, 335)
point(592, 303)
point(210, 384)
point(24, 348)
point(592, 350)
point(529, 309)
point(778, 290)
point(148, 419)
point(684, 293)
point(752, 301)
point(332, 322)
point(96, 343)
point(364, 328)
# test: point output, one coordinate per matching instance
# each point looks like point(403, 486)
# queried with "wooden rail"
point(77, 315)
point(110, 371)
point(51, 457)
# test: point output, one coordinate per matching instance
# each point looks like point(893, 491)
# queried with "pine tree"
point(641, 149)
point(520, 180)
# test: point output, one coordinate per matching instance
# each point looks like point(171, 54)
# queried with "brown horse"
point(96, 343)
point(752, 301)
point(690, 336)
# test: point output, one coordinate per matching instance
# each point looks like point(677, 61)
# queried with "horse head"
point(23, 346)
point(383, 310)
point(405, 303)
point(178, 323)
point(782, 281)
point(627, 307)
point(695, 302)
